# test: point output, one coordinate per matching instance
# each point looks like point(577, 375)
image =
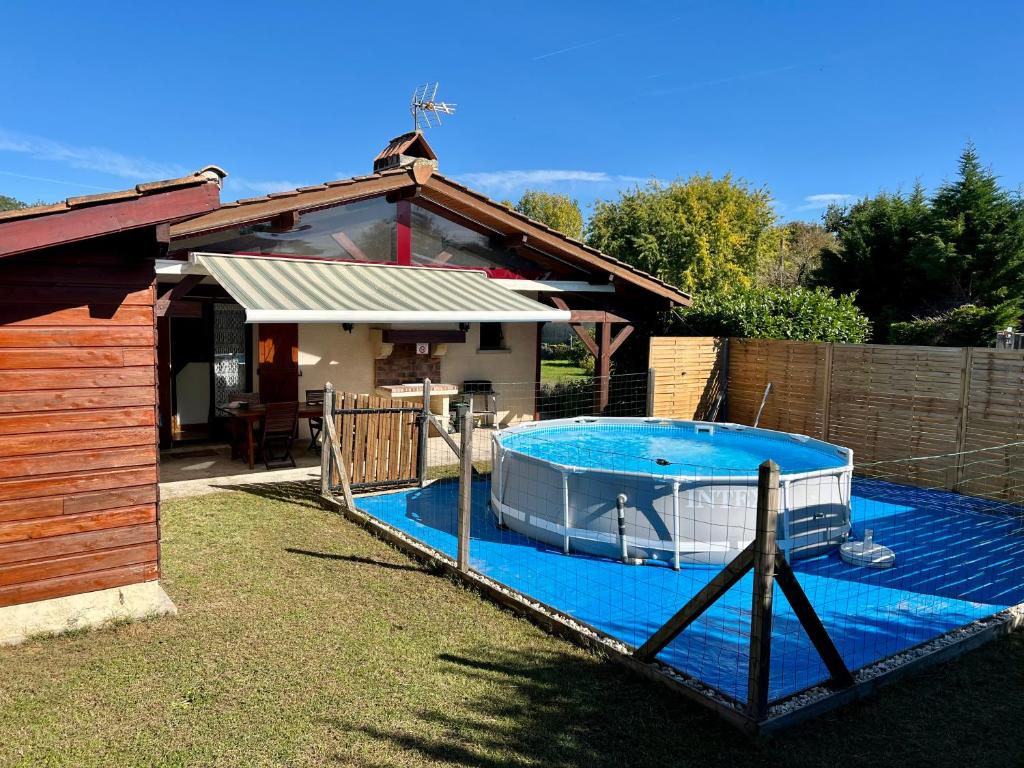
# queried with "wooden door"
point(279, 362)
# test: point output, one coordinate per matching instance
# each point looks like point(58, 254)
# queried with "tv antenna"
point(426, 109)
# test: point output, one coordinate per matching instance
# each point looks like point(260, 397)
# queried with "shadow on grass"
point(354, 559)
point(303, 492)
point(557, 708)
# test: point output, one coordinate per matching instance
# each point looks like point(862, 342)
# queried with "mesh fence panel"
point(622, 526)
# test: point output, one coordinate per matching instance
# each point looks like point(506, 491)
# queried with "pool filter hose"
point(620, 504)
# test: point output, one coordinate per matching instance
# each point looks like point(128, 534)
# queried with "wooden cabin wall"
point(78, 442)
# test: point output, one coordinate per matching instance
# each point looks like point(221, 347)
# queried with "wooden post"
point(764, 580)
point(326, 471)
point(465, 483)
point(603, 367)
point(652, 376)
point(424, 421)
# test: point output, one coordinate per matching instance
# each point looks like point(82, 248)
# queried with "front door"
point(279, 362)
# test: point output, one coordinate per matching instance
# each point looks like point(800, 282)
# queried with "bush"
point(965, 326)
point(775, 313)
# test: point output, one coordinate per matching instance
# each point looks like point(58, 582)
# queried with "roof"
point(86, 216)
point(400, 145)
point(283, 290)
point(433, 187)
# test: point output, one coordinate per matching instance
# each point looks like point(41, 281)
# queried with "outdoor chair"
point(278, 434)
point(316, 425)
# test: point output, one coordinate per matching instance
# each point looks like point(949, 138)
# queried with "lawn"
point(302, 640)
point(553, 371)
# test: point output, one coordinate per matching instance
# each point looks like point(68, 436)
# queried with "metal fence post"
point(424, 421)
point(759, 671)
point(652, 376)
point(465, 483)
point(326, 470)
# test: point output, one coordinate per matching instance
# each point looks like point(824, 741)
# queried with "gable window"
point(492, 336)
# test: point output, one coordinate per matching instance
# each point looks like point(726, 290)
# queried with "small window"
point(492, 336)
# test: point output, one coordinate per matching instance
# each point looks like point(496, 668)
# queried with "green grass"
point(553, 371)
point(302, 640)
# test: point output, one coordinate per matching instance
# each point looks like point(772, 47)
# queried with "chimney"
point(405, 151)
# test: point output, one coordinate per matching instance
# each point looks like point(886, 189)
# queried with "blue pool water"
point(955, 564)
point(681, 449)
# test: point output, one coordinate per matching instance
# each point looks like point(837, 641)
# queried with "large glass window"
point(438, 242)
point(360, 231)
point(229, 331)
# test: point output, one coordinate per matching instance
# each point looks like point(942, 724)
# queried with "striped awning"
point(283, 290)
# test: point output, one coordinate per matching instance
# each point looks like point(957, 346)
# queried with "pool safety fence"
point(768, 576)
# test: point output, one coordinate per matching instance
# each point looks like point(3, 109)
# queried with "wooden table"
point(255, 413)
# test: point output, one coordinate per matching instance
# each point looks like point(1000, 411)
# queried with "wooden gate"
point(378, 442)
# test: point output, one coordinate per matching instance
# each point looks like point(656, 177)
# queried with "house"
point(127, 319)
point(378, 280)
point(79, 513)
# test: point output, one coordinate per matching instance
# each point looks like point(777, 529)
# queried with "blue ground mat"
point(957, 561)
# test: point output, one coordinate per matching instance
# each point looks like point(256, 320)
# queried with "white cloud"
point(97, 159)
point(824, 200)
point(507, 181)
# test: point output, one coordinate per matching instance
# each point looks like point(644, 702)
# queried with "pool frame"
point(656, 501)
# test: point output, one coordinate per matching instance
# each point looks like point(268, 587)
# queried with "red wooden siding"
point(78, 443)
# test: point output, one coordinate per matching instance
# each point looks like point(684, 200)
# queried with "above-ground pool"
point(689, 488)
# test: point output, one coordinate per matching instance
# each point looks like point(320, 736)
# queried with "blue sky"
point(818, 102)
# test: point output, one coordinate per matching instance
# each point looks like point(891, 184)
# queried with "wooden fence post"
point(424, 421)
point(764, 578)
point(326, 470)
point(465, 483)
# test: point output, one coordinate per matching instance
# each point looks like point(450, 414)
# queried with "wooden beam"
point(403, 232)
point(603, 366)
point(285, 221)
point(620, 337)
point(263, 209)
point(697, 605)
point(176, 293)
point(840, 673)
point(759, 672)
point(74, 224)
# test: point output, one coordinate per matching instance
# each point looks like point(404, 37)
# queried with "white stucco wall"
point(328, 353)
point(512, 372)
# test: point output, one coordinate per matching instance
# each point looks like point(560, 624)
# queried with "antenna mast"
point(426, 109)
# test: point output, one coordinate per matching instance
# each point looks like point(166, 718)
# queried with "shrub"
point(775, 313)
point(965, 326)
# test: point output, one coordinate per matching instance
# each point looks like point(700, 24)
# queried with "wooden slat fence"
point(888, 403)
point(379, 439)
point(689, 374)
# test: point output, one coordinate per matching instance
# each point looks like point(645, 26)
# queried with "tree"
point(699, 234)
point(976, 241)
point(775, 313)
point(559, 212)
point(11, 204)
point(908, 257)
point(872, 256)
point(798, 258)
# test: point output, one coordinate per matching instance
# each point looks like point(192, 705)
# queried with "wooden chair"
point(278, 434)
point(316, 425)
point(236, 431)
